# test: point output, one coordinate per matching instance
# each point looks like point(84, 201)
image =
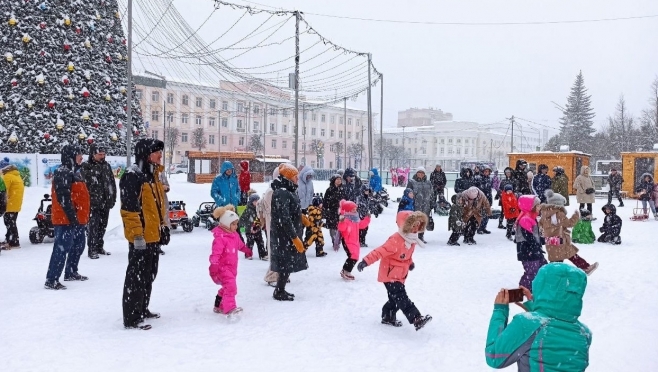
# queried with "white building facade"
point(236, 117)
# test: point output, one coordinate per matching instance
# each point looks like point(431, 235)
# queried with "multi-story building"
point(415, 117)
point(450, 142)
point(250, 117)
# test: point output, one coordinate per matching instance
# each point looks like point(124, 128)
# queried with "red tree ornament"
point(67, 47)
point(90, 140)
point(110, 39)
point(78, 30)
point(51, 104)
point(46, 136)
point(65, 80)
point(85, 92)
point(96, 124)
point(108, 59)
point(120, 125)
point(42, 25)
point(14, 82)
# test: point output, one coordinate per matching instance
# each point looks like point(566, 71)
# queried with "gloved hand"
point(214, 274)
point(459, 223)
point(362, 265)
point(298, 245)
point(139, 242)
point(601, 229)
point(412, 266)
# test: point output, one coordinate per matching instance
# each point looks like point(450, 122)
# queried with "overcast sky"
point(487, 73)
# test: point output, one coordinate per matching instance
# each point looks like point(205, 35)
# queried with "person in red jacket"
point(245, 182)
point(396, 262)
point(70, 214)
point(510, 208)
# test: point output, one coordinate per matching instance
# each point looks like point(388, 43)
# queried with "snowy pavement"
point(332, 325)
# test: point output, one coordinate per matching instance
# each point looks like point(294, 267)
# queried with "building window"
point(285, 128)
point(256, 109)
point(349, 121)
point(450, 150)
point(256, 126)
point(185, 101)
point(272, 127)
point(170, 116)
point(322, 133)
point(138, 94)
point(442, 151)
point(340, 120)
point(340, 134)
point(184, 118)
point(284, 144)
point(323, 118)
point(358, 122)
point(459, 150)
point(183, 137)
point(273, 143)
point(224, 122)
point(449, 141)
point(225, 105)
point(349, 135)
point(285, 113)
point(211, 122)
point(199, 102)
point(241, 141)
point(396, 140)
point(240, 107)
point(155, 96)
point(170, 98)
point(465, 151)
point(304, 131)
point(443, 141)
point(272, 111)
point(314, 117)
point(211, 139)
point(239, 126)
point(313, 131)
point(154, 134)
point(224, 140)
point(213, 103)
point(332, 119)
point(466, 141)
point(459, 141)
point(198, 120)
point(155, 115)
point(332, 133)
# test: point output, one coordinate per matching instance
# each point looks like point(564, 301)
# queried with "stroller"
point(442, 206)
point(382, 197)
point(204, 215)
point(44, 220)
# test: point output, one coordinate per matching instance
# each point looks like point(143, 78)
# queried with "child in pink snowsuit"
point(224, 259)
point(349, 227)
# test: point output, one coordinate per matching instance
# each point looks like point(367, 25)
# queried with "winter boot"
point(218, 300)
point(485, 231)
point(470, 241)
point(500, 225)
point(509, 236)
point(54, 286)
point(421, 236)
point(282, 295)
point(103, 252)
point(455, 243)
point(420, 321)
point(616, 240)
point(75, 277)
point(94, 256)
point(320, 253)
point(143, 327)
point(160, 251)
point(621, 204)
point(150, 315)
point(391, 322)
point(233, 313)
point(346, 275)
point(591, 268)
point(265, 258)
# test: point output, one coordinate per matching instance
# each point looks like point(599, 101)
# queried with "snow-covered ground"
point(332, 325)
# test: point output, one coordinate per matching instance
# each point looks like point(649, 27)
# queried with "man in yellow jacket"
point(142, 210)
point(15, 190)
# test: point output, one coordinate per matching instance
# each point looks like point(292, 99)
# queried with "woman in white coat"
point(584, 186)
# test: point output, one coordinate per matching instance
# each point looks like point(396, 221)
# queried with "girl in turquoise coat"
point(548, 338)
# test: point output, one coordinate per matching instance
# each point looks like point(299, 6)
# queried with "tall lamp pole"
point(129, 91)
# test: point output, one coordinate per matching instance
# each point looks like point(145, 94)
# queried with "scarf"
point(410, 239)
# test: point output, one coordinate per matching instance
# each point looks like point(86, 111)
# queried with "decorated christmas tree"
point(63, 76)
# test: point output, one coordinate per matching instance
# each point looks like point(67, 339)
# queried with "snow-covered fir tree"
point(577, 128)
point(63, 76)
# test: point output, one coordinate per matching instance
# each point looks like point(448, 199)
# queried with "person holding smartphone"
point(549, 336)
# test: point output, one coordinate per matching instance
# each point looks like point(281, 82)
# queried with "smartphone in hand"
point(515, 295)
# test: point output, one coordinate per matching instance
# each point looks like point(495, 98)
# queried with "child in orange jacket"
point(510, 209)
point(348, 226)
point(396, 262)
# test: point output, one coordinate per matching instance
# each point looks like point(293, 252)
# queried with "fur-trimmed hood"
point(551, 208)
point(406, 220)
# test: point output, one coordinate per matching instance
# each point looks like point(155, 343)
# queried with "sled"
point(638, 213)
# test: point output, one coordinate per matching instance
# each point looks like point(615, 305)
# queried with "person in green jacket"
point(561, 183)
point(548, 338)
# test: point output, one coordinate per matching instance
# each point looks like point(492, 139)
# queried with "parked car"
point(178, 168)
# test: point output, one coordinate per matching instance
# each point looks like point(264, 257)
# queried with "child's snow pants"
point(398, 300)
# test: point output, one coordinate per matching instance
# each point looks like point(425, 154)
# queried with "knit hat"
point(4, 162)
point(288, 171)
point(420, 169)
point(509, 187)
point(225, 215)
point(555, 199)
point(347, 206)
point(317, 201)
point(253, 198)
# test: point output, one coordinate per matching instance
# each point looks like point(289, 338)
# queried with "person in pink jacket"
point(224, 259)
point(348, 226)
point(396, 257)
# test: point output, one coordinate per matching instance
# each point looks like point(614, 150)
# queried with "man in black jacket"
point(615, 180)
point(484, 183)
point(465, 181)
point(99, 178)
point(351, 185)
point(438, 180)
point(521, 185)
